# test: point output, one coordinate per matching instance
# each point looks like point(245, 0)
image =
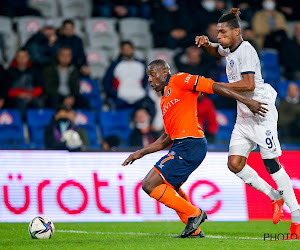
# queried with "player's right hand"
point(131, 158)
point(202, 40)
point(257, 107)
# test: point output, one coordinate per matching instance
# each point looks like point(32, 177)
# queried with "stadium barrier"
point(95, 187)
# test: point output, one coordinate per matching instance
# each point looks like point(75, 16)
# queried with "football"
point(41, 228)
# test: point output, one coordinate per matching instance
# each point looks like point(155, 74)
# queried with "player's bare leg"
point(151, 181)
point(286, 191)
point(237, 164)
point(154, 186)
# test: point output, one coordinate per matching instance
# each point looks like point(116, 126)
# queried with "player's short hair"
point(232, 18)
point(160, 62)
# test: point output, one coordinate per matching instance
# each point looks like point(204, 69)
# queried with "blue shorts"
point(183, 158)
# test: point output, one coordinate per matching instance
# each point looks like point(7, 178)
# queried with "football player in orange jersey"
point(189, 146)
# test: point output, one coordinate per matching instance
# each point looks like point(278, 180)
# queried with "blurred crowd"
point(47, 68)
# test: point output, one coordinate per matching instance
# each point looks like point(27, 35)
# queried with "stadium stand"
point(116, 122)
point(37, 120)
point(11, 127)
point(98, 61)
point(226, 120)
point(48, 8)
point(101, 37)
point(270, 68)
point(10, 39)
point(162, 53)
point(137, 31)
point(90, 89)
point(75, 8)
point(87, 120)
point(27, 26)
point(102, 33)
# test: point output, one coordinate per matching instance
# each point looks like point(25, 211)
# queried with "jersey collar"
point(237, 46)
point(166, 84)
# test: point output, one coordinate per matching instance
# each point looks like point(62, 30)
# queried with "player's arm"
point(162, 142)
point(255, 106)
point(246, 84)
point(212, 48)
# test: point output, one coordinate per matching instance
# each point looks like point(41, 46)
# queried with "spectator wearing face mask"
point(142, 135)
point(268, 21)
point(62, 133)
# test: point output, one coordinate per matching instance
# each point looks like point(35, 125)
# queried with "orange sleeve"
point(204, 85)
point(194, 82)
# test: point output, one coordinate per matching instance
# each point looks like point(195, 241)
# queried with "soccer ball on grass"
point(41, 228)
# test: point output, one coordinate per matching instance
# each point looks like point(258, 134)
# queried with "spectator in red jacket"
point(25, 85)
point(207, 117)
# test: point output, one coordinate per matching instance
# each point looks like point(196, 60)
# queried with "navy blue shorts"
point(183, 158)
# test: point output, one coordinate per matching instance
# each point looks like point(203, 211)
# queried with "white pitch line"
point(151, 234)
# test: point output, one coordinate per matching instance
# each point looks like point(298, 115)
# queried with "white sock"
point(250, 177)
point(274, 195)
point(285, 189)
point(296, 216)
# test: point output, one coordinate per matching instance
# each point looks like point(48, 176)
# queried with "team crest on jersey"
point(231, 63)
point(268, 132)
point(168, 92)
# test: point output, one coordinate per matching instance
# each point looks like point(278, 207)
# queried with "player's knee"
point(234, 164)
point(147, 187)
point(272, 166)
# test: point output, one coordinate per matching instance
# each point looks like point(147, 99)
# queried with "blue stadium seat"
point(226, 120)
point(37, 120)
point(116, 122)
point(89, 88)
point(223, 78)
point(270, 66)
point(11, 129)
point(87, 120)
point(282, 89)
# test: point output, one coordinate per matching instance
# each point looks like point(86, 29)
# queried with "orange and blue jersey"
point(179, 104)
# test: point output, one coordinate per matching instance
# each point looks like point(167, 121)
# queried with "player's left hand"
point(131, 158)
point(257, 107)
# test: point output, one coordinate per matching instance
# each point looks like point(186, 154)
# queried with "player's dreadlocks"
point(232, 18)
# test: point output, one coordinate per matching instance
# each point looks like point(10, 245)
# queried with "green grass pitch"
point(148, 235)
